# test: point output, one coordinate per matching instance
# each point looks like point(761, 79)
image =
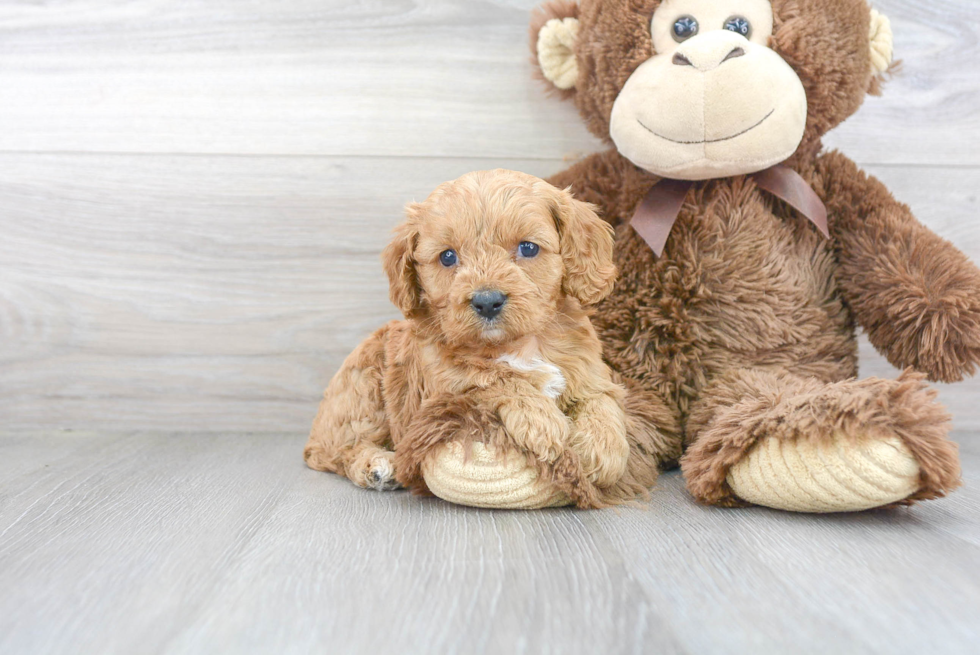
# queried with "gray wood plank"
point(422, 576)
point(20, 456)
point(221, 293)
point(115, 549)
point(190, 543)
point(445, 78)
point(758, 580)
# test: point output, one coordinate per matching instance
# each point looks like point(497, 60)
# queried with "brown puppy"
point(493, 273)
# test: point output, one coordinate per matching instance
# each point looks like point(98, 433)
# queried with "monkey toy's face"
point(714, 100)
point(703, 89)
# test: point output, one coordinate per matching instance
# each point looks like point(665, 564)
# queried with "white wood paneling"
point(221, 293)
point(193, 194)
point(435, 78)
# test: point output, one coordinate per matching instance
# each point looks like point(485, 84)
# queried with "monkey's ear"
point(586, 250)
point(882, 49)
point(398, 260)
point(554, 30)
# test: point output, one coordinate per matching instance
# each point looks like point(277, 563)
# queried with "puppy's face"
point(488, 260)
point(490, 257)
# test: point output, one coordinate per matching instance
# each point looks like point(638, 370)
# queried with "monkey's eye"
point(528, 249)
point(448, 258)
point(684, 28)
point(739, 25)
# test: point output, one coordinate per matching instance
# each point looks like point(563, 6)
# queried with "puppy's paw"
point(381, 475)
point(603, 458)
point(538, 428)
point(375, 470)
point(602, 448)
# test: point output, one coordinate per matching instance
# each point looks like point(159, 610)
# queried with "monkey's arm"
point(915, 294)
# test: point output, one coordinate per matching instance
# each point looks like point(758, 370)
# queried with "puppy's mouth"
point(703, 141)
point(492, 330)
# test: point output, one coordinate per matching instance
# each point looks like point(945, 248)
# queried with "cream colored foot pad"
point(483, 481)
point(837, 475)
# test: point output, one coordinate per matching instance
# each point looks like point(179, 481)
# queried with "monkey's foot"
point(481, 478)
point(799, 444)
point(841, 474)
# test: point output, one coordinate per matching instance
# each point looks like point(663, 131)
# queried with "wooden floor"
point(177, 543)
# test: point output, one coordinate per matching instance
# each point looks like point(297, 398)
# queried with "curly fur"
point(444, 374)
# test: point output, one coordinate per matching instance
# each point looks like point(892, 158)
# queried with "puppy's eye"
point(684, 28)
point(448, 258)
point(739, 25)
point(528, 249)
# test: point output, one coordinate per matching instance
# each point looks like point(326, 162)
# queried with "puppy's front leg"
point(598, 436)
point(534, 422)
point(350, 434)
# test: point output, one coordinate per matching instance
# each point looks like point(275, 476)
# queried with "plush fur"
point(745, 327)
point(531, 383)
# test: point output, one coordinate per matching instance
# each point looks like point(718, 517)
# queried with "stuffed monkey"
point(748, 255)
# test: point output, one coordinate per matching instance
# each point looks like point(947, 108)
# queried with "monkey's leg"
point(495, 448)
point(350, 434)
point(799, 444)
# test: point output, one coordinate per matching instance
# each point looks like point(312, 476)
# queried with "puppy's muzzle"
point(488, 304)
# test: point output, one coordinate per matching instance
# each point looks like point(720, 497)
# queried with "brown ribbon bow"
point(656, 215)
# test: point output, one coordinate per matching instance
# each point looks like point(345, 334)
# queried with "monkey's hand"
point(913, 292)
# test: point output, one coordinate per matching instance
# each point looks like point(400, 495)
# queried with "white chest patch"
point(556, 380)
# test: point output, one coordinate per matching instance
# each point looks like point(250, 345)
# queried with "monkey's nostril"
point(737, 52)
point(681, 60)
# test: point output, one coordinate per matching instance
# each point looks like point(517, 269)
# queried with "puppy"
point(493, 272)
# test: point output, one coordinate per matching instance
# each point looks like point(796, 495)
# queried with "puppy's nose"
point(488, 303)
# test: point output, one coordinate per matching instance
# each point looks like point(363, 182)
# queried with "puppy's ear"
point(398, 260)
point(586, 250)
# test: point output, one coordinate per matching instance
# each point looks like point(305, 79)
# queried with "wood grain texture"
point(443, 78)
point(221, 293)
point(193, 195)
point(176, 543)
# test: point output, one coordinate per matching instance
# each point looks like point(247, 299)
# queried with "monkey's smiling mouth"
point(691, 143)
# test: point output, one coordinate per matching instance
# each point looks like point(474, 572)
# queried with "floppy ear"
point(586, 250)
point(554, 30)
point(398, 260)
